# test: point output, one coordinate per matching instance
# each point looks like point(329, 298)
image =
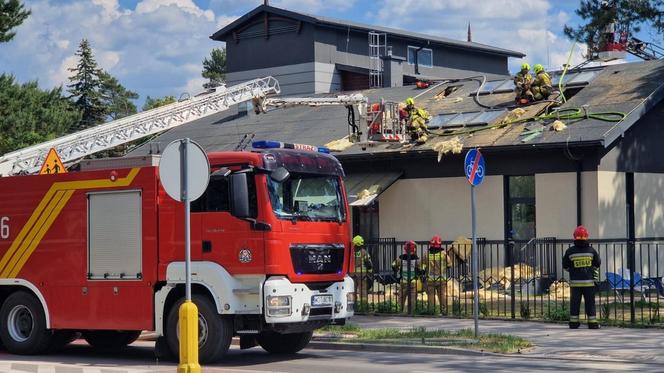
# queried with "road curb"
point(377, 347)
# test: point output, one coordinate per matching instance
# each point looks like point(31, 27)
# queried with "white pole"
point(187, 228)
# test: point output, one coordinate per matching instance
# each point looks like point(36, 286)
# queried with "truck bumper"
point(286, 302)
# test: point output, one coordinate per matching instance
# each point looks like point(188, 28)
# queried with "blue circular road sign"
point(474, 167)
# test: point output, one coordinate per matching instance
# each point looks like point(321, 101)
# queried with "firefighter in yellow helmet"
point(522, 84)
point(417, 121)
point(435, 267)
point(407, 267)
point(541, 86)
point(363, 271)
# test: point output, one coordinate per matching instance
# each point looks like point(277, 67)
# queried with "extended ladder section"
point(118, 132)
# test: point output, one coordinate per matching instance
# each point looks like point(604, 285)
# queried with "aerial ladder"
point(76, 146)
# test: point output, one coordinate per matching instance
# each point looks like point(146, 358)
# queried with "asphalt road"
point(139, 358)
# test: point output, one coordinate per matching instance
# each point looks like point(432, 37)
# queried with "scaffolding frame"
point(377, 49)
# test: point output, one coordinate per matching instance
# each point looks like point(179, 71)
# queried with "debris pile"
point(503, 275)
point(339, 145)
point(513, 115)
point(558, 126)
point(559, 289)
point(453, 146)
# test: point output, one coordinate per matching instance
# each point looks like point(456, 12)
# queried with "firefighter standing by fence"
point(582, 261)
point(363, 269)
point(408, 269)
point(435, 267)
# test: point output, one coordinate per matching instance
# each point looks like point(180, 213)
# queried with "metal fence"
point(518, 280)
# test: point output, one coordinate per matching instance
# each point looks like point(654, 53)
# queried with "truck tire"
point(23, 325)
point(214, 331)
point(110, 340)
point(277, 343)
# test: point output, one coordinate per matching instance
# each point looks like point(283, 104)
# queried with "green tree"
point(116, 98)
point(85, 88)
point(631, 14)
point(214, 68)
point(153, 103)
point(29, 115)
point(12, 14)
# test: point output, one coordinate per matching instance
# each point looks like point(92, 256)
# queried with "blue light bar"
point(268, 144)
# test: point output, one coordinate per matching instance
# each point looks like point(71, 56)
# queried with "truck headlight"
point(279, 305)
point(350, 301)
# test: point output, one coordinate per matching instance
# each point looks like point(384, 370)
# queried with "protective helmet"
point(358, 241)
point(410, 101)
point(410, 247)
point(525, 66)
point(538, 68)
point(580, 233)
point(436, 242)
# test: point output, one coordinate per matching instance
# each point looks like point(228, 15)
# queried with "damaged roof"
point(633, 89)
point(348, 25)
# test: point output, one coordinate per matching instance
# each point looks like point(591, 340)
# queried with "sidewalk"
point(550, 340)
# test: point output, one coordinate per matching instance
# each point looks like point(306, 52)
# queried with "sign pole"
point(476, 303)
point(188, 313)
point(475, 169)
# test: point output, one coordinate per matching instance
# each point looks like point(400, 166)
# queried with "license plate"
point(321, 300)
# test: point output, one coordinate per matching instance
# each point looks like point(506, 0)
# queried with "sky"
point(156, 47)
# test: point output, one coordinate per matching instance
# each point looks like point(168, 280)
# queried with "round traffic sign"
point(474, 167)
point(171, 173)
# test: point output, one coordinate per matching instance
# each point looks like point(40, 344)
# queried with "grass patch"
point(459, 338)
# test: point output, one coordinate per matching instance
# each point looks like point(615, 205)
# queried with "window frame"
point(419, 62)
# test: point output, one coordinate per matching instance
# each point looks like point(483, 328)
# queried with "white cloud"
point(530, 27)
point(156, 49)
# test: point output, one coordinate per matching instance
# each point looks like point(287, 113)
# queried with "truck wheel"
point(23, 325)
point(214, 331)
point(276, 343)
point(110, 339)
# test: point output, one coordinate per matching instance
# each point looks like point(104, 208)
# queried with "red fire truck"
point(100, 252)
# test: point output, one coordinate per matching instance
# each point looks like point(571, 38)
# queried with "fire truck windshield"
point(308, 197)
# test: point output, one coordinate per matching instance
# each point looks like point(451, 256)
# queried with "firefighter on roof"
point(363, 269)
point(582, 262)
point(417, 121)
point(435, 267)
point(541, 86)
point(407, 266)
point(522, 84)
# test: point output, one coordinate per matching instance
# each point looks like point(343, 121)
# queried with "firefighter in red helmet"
point(582, 261)
point(435, 267)
point(407, 266)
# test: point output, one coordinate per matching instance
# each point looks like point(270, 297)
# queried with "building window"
point(520, 207)
point(365, 221)
point(424, 56)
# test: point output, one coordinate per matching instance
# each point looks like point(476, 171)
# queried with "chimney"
point(266, 2)
point(470, 35)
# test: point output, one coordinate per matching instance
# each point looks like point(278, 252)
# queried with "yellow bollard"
point(188, 338)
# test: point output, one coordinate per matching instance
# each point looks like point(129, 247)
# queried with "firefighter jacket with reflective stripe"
point(542, 80)
point(407, 266)
point(363, 261)
point(581, 260)
point(435, 265)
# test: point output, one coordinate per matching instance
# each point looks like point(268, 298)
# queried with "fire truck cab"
point(101, 252)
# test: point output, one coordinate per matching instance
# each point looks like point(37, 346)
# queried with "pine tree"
point(116, 98)
point(632, 14)
point(12, 14)
point(85, 88)
point(153, 103)
point(214, 69)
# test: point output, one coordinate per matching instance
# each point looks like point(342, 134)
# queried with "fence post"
point(510, 261)
point(631, 251)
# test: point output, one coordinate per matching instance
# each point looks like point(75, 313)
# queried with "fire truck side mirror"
point(280, 175)
point(239, 196)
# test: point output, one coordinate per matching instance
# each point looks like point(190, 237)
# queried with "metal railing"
point(518, 280)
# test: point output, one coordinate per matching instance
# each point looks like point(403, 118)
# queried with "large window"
point(424, 56)
point(307, 197)
point(217, 196)
point(520, 207)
